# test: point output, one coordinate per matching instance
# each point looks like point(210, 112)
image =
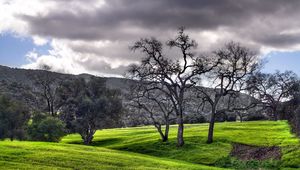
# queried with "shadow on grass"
point(102, 143)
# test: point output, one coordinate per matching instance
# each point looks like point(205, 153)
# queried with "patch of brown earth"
point(247, 152)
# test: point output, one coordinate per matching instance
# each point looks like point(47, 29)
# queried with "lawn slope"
point(145, 140)
point(140, 148)
point(42, 155)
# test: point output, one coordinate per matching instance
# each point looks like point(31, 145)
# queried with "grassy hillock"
point(42, 155)
point(140, 148)
point(145, 140)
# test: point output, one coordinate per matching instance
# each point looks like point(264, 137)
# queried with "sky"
point(93, 36)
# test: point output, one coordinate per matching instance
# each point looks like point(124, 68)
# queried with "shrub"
point(46, 128)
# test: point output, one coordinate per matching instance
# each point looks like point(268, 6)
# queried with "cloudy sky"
point(92, 36)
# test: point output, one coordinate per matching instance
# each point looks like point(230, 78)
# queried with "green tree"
point(14, 117)
point(89, 106)
point(46, 128)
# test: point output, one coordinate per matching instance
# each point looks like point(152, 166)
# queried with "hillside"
point(19, 83)
point(260, 134)
point(41, 155)
point(22, 76)
point(140, 148)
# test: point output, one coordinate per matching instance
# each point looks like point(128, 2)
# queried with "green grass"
point(42, 155)
point(145, 140)
point(140, 148)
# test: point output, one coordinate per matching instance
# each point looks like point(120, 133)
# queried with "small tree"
point(46, 128)
point(14, 117)
point(273, 89)
point(90, 106)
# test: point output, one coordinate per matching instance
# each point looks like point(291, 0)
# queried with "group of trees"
point(166, 88)
point(166, 83)
point(61, 106)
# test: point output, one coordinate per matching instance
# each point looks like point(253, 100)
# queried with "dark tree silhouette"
point(228, 79)
point(171, 76)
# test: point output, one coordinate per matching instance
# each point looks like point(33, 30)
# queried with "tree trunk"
point(49, 107)
point(167, 133)
point(162, 136)
point(211, 126)
point(275, 115)
point(52, 109)
point(240, 116)
point(88, 136)
point(88, 139)
point(180, 141)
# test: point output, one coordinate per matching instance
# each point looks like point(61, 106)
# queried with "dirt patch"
point(247, 152)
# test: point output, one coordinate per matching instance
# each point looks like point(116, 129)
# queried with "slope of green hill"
point(42, 155)
point(145, 140)
point(140, 148)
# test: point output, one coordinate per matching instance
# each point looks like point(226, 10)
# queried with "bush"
point(194, 118)
point(255, 117)
point(46, 128)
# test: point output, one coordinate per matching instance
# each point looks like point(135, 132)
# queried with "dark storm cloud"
point(114, 19)
point(256, 23)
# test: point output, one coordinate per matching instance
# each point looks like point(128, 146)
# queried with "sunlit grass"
point(40, 155)
point(141, 148)
point(146, 140)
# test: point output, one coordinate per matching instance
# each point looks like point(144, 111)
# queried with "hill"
point(140, 148)
point(258, 134)
point(19, 83)
point(42, 155)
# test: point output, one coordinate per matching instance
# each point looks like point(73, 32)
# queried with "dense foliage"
point(14, 117)
point(89, 106)
point(46, 128)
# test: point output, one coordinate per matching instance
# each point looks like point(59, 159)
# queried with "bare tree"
point(46, 84)
point(173, 77)
point(228, 79)
point(273, 89)
point(155, 106)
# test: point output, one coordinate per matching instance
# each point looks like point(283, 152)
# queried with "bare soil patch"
point(247, 152)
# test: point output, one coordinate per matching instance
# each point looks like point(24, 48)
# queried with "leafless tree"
point(228, 79)
point(273, 89)
point(154, 106)
point(173, 77)
point(46, 85)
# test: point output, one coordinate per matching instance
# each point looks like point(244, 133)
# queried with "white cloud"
point(92, 36)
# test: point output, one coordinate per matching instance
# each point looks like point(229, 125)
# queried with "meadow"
point(141, 148)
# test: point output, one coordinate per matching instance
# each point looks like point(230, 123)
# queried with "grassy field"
point(145, 140)
point(41, 155)
point(140, 148)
